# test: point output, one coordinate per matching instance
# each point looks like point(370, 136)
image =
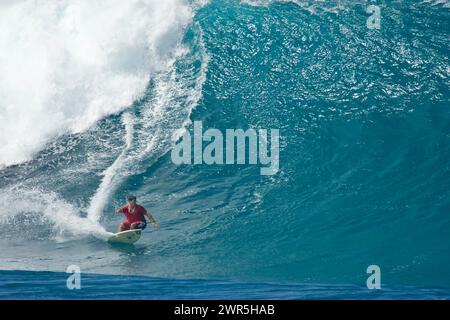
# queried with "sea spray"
point(112, 175)
point(65, 220)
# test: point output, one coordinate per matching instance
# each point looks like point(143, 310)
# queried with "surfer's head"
point(132, 199)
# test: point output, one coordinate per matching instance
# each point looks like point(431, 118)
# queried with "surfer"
point(135, 215)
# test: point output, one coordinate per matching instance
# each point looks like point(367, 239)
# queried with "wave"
point(363, 156)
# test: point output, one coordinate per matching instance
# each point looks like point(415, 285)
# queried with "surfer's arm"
point(120, 210)
point(150, 217)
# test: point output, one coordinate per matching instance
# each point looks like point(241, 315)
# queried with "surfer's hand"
point(155, 224)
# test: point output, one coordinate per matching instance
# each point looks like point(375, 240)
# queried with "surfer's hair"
point(131, 197)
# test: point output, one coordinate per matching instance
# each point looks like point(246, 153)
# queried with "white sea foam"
point(66, 64)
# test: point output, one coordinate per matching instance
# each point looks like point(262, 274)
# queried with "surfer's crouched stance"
point(135, 216)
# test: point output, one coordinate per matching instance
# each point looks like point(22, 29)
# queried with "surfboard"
point(126, 237)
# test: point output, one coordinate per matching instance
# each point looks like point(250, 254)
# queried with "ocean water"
point(93, 98)
point(22, 285)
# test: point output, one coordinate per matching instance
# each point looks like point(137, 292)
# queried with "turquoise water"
point(364, 152)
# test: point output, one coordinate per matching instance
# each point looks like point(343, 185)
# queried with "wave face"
point(93, 96)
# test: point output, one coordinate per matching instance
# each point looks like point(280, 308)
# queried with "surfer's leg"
point(125, 225)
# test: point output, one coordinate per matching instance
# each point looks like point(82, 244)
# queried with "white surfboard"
point(127, 237)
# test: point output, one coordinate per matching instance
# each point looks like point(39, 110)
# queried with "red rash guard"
point(137, 215)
